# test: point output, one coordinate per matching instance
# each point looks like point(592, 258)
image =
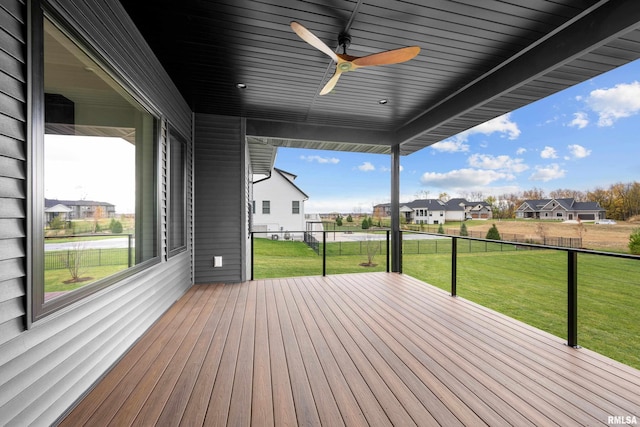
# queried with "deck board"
point(355, 349)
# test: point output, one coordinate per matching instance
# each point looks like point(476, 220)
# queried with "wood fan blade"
point(314, 41)
point(331, 83)
point(389, 57)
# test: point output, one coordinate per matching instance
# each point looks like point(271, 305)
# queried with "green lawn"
point(528, 285)
point(54, 280)
point(96, 264)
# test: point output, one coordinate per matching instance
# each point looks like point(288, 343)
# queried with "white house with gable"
point(278, 206)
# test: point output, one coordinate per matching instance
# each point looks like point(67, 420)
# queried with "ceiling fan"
point(346, 62)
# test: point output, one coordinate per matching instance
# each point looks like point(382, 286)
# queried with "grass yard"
point(95, 264)
point(528, 285)
point(54, 280)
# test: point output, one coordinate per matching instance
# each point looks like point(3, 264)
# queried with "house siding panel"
point(12, 170)
point(44, 370)
point(220, 192)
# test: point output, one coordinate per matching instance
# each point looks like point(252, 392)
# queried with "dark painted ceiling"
point(479, 59)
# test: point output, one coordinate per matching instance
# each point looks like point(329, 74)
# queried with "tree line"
point(621, 200)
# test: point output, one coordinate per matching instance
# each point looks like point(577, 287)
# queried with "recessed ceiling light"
point(383, 101)
point(241, 85)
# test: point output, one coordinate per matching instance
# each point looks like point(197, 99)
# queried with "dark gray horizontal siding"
point(45, 369)
point(12, 169)
point(83, 349)
point(220, 197)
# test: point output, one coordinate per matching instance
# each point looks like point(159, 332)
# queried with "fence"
point(77, 254)
point(561, 242)
point(56, 260)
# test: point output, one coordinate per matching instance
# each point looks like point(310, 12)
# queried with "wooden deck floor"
point(361, 349)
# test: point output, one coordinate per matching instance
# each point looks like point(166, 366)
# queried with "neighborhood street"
point(112, 243)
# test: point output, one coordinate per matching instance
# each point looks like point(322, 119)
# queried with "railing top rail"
point(69, 236)
point(355, 230)
point(531, 245)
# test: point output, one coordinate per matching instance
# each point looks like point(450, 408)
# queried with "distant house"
point(560, 209)
point(434, 211)
point(424, 211)
point(278, 205)
point(472, 210)
point(77, 209)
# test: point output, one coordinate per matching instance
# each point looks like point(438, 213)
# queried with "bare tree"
point(372, 249)
point(422, 194)
point(74, 261)
point(533, 194)
point(541, 230)
point(581, 230)
point(566, 193)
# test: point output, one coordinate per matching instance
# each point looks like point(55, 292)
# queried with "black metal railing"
point(572, 271)
point(333, 244)
point(351, 243)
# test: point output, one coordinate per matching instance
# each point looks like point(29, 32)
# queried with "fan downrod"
point(344, 40)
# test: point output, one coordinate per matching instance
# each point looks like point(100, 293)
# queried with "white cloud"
point(451, 146)
point(549, 153)
point(547, 173)
point(580, 120)
point(321, 160)
point(521, 151)
point(578, 151)
point(615, 103)
point(366, 167)
point(503, 163)
point(463, 178)
point(502, 124)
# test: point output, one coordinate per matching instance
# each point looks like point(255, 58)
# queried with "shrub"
point(57, 223)
point(493, 233)
point(349, 218)
point(339, 221)
point(440, 229)
point(365, 224)
point(634, 242)
point(115, 226)
point(463, 230)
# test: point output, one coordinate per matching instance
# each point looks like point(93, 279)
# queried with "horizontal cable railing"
point(564, 291)
point(561, 290)
point(305, 252)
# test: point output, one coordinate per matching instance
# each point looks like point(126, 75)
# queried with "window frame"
point(37, 308)
point(266, 207)
point(295, 208)
point(175, 137)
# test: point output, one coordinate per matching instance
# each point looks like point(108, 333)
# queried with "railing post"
point(454, 266)
point(388, 242)
point(129, 255)
point(572, 299)
point(253, 254)
point(324, 253)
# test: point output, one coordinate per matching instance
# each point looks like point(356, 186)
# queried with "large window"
point(97, 191)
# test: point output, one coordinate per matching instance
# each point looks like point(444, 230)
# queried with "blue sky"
point(582, 138)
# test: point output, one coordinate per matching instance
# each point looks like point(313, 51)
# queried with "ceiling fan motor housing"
point(344, 40)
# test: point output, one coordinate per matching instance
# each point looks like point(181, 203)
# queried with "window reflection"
point(100, 185)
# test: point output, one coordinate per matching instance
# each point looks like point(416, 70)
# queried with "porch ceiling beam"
point(598, 25)
point(314, 132)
